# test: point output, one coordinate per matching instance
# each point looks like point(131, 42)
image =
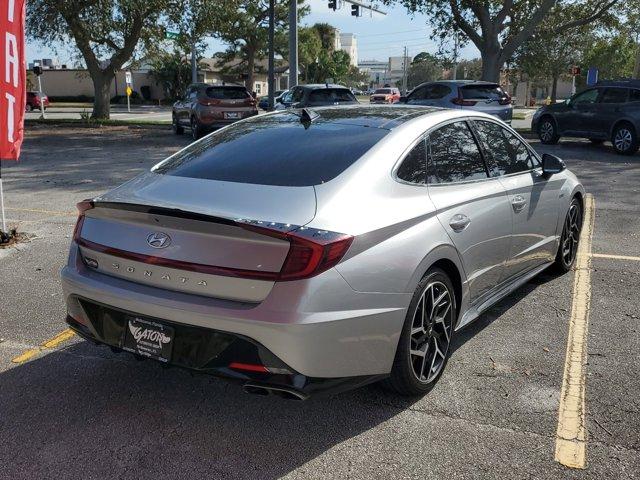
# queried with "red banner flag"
point(12, 78)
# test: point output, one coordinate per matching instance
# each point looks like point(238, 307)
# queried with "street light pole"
point(194, 63)
point(293, 43)
point(270, 78)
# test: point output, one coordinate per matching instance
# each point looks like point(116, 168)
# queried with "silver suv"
point(485, 97)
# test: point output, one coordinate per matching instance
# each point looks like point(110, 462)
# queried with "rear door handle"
point(459, 222)
point(518, 202)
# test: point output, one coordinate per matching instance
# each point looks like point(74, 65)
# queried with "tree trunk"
point(102, 94)
point(636, 70)
point(491, 65)
point(251, 60)
point(554, 89)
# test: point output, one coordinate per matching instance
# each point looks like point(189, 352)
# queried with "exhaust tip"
point(282, 392)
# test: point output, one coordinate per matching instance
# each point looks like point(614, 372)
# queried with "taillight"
point(462, 102)
point(311, 251)
point(82, 207)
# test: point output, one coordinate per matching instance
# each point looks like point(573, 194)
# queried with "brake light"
point(249, 367)
point(462, 102)
point(82, 207)
point(311, 251)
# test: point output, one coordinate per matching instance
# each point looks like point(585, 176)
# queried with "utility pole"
point(293, 43)
point(455, 57)
point(270, 75)
point(194, 62)
point(404, 72)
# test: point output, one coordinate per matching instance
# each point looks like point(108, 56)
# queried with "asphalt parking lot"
point(69, 409)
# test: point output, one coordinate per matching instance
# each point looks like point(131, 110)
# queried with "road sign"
point(171, 35)
point(127, 77)
point(592, 76)
point(575, 70)
point(129, 91)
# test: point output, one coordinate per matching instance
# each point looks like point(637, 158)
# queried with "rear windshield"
point(331, 95)
point(483, 92)
point(274, 150)
point(383, 90)
point(227, 93)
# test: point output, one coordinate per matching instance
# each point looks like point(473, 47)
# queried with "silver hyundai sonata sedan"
point(310, 251)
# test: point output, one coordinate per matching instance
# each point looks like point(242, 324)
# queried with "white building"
point(349, 44)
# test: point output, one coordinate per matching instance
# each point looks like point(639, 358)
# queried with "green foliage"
point(614, 56)
point(424, 68)
point(172, 71)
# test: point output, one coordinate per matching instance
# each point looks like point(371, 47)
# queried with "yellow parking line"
point(615, 257)
point(47, 344)
point(571, 435)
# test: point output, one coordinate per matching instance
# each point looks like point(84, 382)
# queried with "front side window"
point(297, 95)
point(588, 96)
point(614, 95)
point(413, 168)
point(505, 153)
point(454, 155)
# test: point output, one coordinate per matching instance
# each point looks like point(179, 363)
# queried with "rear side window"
point(227, 93)
point(414, 166)
point(430, 92)
point(276, 150)
point(482, 92)
point(505, 153)
point(454, 155)
point(331, 95)
point(614, 95)
point(634, 95)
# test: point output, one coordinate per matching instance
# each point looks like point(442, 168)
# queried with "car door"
point(472, 207)
point(533, 198)
point(580, 117)
point(610, 109)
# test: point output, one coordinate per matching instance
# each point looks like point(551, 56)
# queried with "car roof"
point(373, 116)
point(628, 83)
point(322, 85)
point(206, 85)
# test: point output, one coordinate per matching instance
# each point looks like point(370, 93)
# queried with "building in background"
point(382, 73)
point(349, 44)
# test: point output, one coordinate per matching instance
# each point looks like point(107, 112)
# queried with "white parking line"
point(571, 435)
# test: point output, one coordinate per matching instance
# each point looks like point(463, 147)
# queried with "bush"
point(136, 99)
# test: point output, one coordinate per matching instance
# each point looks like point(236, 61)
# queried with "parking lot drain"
point(571, 435)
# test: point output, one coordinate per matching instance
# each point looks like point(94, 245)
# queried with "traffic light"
point(355, 10)
point(333, 4)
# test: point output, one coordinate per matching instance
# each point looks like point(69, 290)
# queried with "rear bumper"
point(216, 119)
point(212, 352)
point(320, 327)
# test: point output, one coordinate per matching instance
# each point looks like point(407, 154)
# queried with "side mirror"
point(403, 99)
point(552, 164)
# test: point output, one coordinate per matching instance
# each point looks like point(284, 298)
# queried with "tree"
point(106, 33)
point(614, 56)
point(470, 69)
point(309, 49)
point(499, 27)
point(246, 28)
point(172, 70)
point(424, 68)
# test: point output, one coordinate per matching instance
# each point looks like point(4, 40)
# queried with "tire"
point(596, 141)
point(625, 139)
point(570, 238)
point(547, 131)
point(196, 129)
point(408, 374)
point(177, 128)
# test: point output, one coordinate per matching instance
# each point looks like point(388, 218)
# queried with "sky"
point(378, 36)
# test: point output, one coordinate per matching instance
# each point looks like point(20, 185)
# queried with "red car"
point(385, 95)
point(33, 101)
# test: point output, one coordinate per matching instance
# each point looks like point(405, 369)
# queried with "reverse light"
point(82, 207)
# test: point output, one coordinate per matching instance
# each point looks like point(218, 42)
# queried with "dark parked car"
point(316, 95)
point(205, 107)
point(607, 111)
point(263, 102)
point(33, 101)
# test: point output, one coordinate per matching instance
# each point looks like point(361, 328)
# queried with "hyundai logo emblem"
point(159, 240)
